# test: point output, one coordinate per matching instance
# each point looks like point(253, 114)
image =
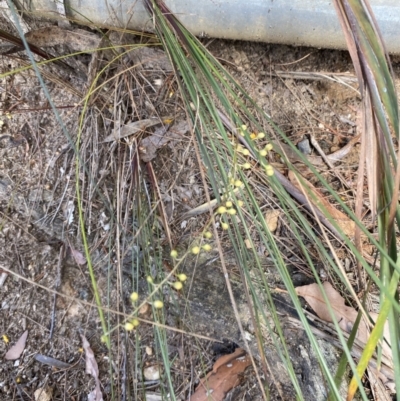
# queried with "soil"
point(42, 245)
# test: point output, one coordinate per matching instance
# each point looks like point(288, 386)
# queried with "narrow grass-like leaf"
point(375, 337)
point(212, 74)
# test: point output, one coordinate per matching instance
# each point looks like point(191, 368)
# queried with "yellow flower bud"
point(269, 147)
point(134, 296)
point(246, 152)
point(196, 250)
point(269, 170)
point(228, 204)
point(263, 152)
point(221, 209)
point(182, 277)
point(243, 127)
point(240, 203)
point(260, 135)
point(174, 254)
point(207, 247)
point(231, 211)
point(158, 304)
point(208, 235)
point(246, 166)
point(224, 226)
point(178, 285)
point(237, 184)
point(135, 322)
point(129, 326)
point(149, 279)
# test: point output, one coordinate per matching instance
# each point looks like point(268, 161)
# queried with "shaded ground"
point(41, 243)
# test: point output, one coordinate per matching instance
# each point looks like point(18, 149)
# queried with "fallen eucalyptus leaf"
point(131, 129)
point(226, 374)
point(16, 350)
point(92, 369)
point(55, 363)
point(345, 315)
point(148, 146)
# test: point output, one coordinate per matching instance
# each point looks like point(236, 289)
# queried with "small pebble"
point(152, 372)
point(304, 146)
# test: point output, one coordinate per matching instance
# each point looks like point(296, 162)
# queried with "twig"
point(328, 161)
point(3, 278)
point(124, 370)
point(57, 286)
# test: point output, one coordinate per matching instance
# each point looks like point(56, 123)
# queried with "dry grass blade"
point(369, 143)
point(342, 9)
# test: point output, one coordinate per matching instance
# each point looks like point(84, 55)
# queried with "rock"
point(304, 146)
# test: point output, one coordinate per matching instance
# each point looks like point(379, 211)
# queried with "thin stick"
point(57, 286)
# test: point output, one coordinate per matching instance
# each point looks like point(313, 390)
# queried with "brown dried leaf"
point(347, 225)
point(271, 218)
point(161, 136)
point(16, 350)
point(93, 370)
point(226, 374)
point(78, 256)
point(131, 128)
point(345, 315)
